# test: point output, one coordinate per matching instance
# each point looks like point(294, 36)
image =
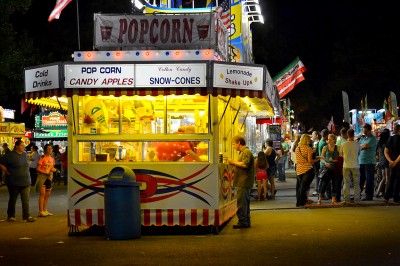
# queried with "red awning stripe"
point(260, 121)
point(144, 92)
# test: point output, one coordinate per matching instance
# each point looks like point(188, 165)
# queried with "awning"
point(52, 102)
point(48, 98)
point(145, 92)
point(276, 120)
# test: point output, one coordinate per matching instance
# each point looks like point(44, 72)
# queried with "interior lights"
point(117, 53)
point(147, 53)
point(89, 54)
point(177, 53)
point(207, 52)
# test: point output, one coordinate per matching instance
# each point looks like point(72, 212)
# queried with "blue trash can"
point(122, 204)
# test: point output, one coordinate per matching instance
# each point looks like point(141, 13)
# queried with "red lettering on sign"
point(153, 31)
point(164, 31)
point(122, 29)
point(187, 30)
point(132, 34)
point(144, 29)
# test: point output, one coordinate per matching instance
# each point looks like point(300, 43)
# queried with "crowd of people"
point(344, 170)
point(370, 165)
point(21, 170)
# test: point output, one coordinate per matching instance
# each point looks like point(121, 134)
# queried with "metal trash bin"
point(122, 204)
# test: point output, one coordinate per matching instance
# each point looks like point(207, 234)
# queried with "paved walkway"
point(281, 234)
point(285, 197)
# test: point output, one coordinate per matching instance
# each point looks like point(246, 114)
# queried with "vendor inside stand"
point(174, 151)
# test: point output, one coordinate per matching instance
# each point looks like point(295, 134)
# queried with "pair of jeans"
point(243, 205)
point(327, 184)
point(302, 186)
point(13, 192)
point(367, 173)
point(281, 172)
point(394, 184)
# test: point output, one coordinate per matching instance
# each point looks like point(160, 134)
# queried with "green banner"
point(48, 134)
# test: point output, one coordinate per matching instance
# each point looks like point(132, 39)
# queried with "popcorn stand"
point(134, 108)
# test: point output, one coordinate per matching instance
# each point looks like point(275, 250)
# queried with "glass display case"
point(142, 128)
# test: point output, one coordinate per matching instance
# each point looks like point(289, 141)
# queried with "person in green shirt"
point(244, 175)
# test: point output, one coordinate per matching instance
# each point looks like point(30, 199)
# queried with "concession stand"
point(131, 108)
point(10, 131)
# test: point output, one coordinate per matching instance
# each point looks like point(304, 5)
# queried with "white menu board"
point(99, 76)
point(174, 75)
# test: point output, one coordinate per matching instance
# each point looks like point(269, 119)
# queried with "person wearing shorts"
point(261, 166)
point(45, 170)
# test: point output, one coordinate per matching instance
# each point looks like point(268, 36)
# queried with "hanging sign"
point(40, 78)
point(176, 75)
point(51, 134)
point(161, 31)
point(99, 76)
point(238, 76)
point(53, 119)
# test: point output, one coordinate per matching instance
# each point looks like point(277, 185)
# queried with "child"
point(261, 166)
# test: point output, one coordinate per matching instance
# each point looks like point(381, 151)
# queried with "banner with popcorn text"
point(161, 31)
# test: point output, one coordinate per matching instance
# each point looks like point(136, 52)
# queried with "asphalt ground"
point(281, 234)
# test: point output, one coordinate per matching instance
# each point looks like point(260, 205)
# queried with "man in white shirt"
point(351, 168)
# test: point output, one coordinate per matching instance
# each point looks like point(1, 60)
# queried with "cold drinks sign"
point(46, 77)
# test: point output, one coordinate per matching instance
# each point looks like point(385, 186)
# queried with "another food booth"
point(134, 108)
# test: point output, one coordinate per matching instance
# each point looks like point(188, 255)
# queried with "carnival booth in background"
point(10, 131)
point(133, 108)
point(50, 124)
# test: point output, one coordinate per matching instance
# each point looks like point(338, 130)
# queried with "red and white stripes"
point(159, 217)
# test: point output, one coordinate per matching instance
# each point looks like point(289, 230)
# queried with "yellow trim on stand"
point(50, 102)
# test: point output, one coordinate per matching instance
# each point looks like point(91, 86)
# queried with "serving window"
point(142, 151)
point(142, 114)
point(143, 128)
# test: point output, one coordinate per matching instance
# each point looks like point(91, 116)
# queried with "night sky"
point(345, 45)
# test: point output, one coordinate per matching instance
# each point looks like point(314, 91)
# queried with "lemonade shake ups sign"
point(238, 76)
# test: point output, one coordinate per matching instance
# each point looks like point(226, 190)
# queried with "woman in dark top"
point(271, 171)
point(383, 163)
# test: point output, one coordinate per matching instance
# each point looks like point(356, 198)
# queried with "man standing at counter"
point(243, 180)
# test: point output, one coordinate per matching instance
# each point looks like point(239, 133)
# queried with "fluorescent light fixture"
point(139, 4)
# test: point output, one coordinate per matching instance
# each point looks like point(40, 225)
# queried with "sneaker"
point(239, 226)
point(48, 213)
point(30, 219)
point(315, 193)
point(366, 199)
point(42, 214)
point(386, 201)
point(11, 219)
